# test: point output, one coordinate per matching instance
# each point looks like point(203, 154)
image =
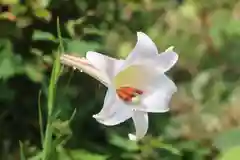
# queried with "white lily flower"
point(136, 85)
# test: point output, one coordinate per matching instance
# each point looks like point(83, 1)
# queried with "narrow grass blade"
point(22, 156)
point(40, 119)
point(60, 37)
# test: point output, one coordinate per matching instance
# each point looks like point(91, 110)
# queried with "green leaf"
point(231, 154)
point(40, 35)
point(45, 3)
point(9, 2)
point(82, 154)
point(198, 84)
point(81, 47)
point(23, 22)
point(19, 9)
point(43, 14)
point(233, 27)
point(219, 20)
point(38, 156)
point(227, 139)
point(6, 68)
point(123, 143)
point(34, 73)
point(62, 127)
point(158, 143)
point(70, 26)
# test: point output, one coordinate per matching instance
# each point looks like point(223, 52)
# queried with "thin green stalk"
point(47, 150)
point(48, 147)
point(22, 156)
point(40, 119)
point(60, 36)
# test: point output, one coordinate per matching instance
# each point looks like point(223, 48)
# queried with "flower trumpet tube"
point(83, 65)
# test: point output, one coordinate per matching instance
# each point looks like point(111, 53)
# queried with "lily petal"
point(109, 99)
point(121, 113)
point(159, 96)
point(140, 120)
point(144, 49)
point(110, 66)
point(114, 111)
point(166, 60)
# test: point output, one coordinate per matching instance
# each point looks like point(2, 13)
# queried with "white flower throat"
point(128, 84)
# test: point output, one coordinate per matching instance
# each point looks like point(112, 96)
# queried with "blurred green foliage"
point(204, 120)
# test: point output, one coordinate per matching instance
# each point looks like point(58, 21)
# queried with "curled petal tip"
point(132, 137)
point(96, 116)
point(165, 110)
point(169, 49)
point(141, 34)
